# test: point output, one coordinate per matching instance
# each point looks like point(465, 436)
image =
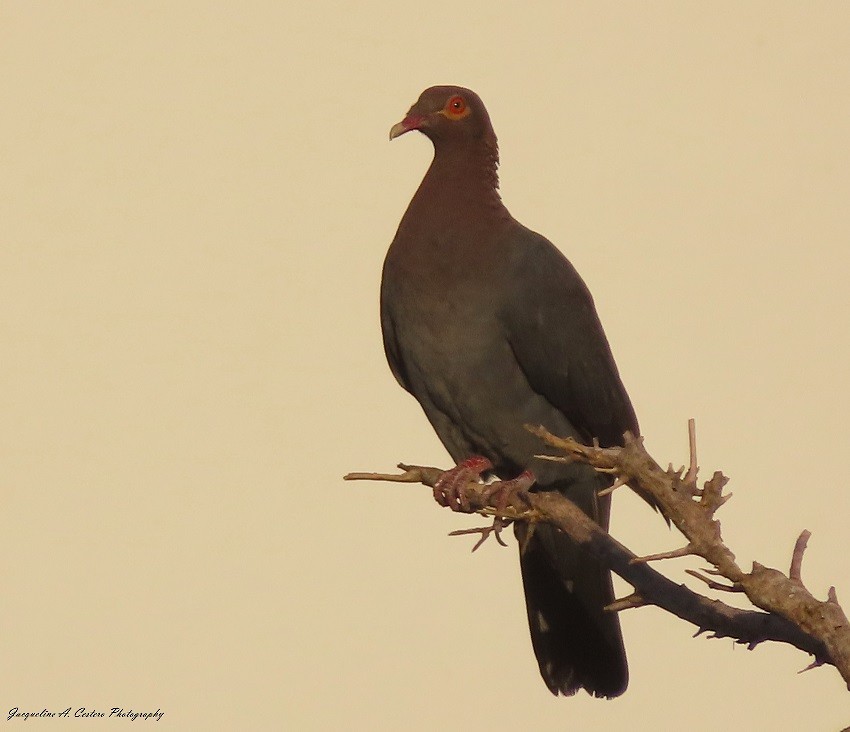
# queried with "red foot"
point(509, 492)
point(449, 488)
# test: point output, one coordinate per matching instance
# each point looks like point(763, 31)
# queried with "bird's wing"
point(391, 347)
point(552, 326)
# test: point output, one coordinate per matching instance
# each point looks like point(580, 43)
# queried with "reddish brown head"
point(447, 113)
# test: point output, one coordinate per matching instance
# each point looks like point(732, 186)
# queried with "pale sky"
point(195, 204)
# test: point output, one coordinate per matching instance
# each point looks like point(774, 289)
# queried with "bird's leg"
point(508, 493)
point(449, 488)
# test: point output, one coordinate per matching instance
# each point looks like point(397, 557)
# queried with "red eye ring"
point(456, 106)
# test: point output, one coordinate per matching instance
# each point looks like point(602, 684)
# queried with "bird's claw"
point(449, 488)
point(509, 491)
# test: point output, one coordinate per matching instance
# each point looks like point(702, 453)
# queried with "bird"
point(490, 327)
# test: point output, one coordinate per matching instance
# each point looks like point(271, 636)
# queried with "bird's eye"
point(456, 106)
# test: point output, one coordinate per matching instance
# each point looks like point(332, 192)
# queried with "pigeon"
point(488, 325)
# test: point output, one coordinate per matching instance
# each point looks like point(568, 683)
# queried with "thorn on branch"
point(629, 438)
point(495, 529)
point(524, 537)
point(817, 663)
point(555, 458)
point(618, 483)
point(626, 603)
point(712, 492)
point(681, 485)
point(673, 473)
point(684, 551)
point(714, 585)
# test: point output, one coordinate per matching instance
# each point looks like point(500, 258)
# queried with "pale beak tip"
point(397, 130)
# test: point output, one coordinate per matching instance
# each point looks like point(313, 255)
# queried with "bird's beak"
point(411, 122)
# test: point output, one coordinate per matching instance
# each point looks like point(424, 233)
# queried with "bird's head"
point(446, 113)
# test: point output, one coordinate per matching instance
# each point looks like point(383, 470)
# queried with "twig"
point(712, 583)
point(673, 554)
point(693, 469)
point(797, 556)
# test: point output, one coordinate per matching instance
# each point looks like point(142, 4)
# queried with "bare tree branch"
point(767, 588)
point(792, 615)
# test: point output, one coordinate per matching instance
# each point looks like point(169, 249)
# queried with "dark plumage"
point(490, 327)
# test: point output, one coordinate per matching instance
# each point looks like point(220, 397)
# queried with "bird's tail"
point(577, 643)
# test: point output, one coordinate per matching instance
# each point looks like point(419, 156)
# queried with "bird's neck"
point(464, 175)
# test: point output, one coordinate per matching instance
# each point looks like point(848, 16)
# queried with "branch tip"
point(684, 551)
point(715, 585)
point(817, 663)
point(626, 603)
point(618, 483)
point(693, 469)
point(797, 555)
